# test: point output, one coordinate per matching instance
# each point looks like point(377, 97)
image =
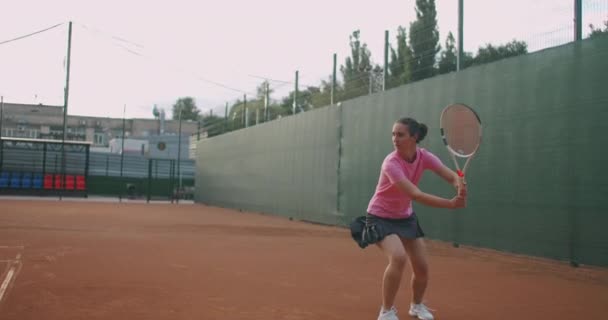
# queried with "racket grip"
point(461, 176)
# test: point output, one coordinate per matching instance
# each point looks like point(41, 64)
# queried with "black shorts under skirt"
point(370, 229)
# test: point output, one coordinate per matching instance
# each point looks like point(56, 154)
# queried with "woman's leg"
point(392, 247)
point(416, 250)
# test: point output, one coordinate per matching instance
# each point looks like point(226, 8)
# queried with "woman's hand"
point(458, 202)
point(462, 189)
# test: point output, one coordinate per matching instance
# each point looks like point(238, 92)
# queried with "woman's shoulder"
point(425, 152)
point(429, 158)
point(391, 157)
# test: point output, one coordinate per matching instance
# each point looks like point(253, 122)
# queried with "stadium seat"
point(58, 182)
point(80, 183)
point(69, 182)
point(48, 181)
point(4, 177)
point(15, 180)
point(26, 180)
point(37, 181)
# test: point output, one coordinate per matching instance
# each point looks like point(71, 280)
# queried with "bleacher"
point(36, 167)
point(38, 181)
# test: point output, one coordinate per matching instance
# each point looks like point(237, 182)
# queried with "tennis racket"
point(461, 133)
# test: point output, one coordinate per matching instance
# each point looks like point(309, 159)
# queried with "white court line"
point(6, 281)
point(16, 260)
point(11, 247)
point(11, 272)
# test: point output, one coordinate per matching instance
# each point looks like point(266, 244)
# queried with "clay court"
point(94, 260)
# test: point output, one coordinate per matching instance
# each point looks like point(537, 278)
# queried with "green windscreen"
point(537, 185)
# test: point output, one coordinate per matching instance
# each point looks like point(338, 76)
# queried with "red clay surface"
point(85, 260)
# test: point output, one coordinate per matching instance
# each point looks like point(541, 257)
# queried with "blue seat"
point(26, 180)
point(15, 180)
point(37, 181)
point(4, 177)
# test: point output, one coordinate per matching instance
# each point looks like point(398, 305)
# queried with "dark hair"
point(415, 128)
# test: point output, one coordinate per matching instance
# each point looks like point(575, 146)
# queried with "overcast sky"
point(141, 54)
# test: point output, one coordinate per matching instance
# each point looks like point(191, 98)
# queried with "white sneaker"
point(421, 311)
point(388, 315)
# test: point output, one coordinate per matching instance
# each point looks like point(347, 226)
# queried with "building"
point(130, 146)
point(46, 122)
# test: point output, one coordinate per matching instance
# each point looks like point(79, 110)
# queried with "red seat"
point(58, 182)
point(48, 181)
point(81, 183)
point(69, 182)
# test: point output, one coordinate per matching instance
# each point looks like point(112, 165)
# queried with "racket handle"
point(461, 176)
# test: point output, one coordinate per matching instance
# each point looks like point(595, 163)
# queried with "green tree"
point(309, 98)
point(356, 69)
point(156, 112)
point(598, 32)
point(399, 65)
point(447, 63)
point(261, 97)
point(323, 96)
point(276, 111)
point(236, 116)
point(213, 124)
point(424, 39)
point(261, 90)
point(188, 109)
point(491, 53)
point(254, 107)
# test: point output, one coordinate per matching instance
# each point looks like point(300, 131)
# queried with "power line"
point(139, 54)
point(268, 79)
point(93, 29)
point(223, 86)
point(31, 34)
point(134, 52)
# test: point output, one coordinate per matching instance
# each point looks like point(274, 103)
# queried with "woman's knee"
point(398, 259)
point(417, 253)
point(394, 250)
point(421, 272)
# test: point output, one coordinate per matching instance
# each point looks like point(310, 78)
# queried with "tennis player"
point(391, 223)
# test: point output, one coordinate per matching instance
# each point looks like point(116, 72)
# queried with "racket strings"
point(461, 129)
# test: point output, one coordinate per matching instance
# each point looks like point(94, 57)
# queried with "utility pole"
point(332, 97)
point(266, 100)
point(65, 108)
point(295, 95)
point(179, 151)
point(1, 113)
point(122, 147)
point(385, 71)
point(578, 20)
point(460, 56)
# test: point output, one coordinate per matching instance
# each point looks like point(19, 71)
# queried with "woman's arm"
point(428, 199)
point(452, 178)
point(448, 175)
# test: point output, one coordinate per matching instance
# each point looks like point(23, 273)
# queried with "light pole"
point(179, 152)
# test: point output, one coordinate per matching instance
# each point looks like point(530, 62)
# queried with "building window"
point(100, 139)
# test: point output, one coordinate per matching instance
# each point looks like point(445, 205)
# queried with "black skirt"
point(370, 229)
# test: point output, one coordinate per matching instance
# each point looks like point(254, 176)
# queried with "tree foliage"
point(399, 65)
point(424, 40)
point(356, 68)
point(188, 109)
point(598, 32)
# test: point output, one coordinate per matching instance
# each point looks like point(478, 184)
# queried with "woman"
point(391, 223)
